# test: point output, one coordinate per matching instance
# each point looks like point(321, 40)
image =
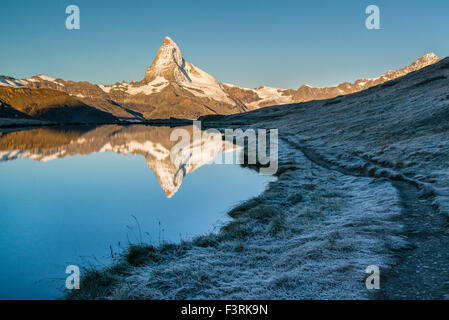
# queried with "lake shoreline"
point(352, 192)
point(266, 227)
point(11, 123)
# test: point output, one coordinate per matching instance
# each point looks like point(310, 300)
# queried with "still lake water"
point(68, 196)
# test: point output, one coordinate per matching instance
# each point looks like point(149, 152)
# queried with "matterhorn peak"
point(168, 40)
point(170, 50)
point(167, 63)
point(169, 68)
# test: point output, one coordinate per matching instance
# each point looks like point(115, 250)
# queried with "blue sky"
point(249, 43)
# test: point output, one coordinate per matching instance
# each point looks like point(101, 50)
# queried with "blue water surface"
point(72, 210)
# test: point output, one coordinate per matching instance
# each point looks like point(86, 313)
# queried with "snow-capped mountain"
point(266, 96)
point(6, 81)
point(173, 87)
point(169, 66)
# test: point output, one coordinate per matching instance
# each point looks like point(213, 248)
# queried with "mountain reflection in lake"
point(67, 195)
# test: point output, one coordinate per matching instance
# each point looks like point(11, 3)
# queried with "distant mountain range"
point(171, 87)
point(267, 96)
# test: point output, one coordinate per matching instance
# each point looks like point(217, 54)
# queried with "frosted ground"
point(363, 179)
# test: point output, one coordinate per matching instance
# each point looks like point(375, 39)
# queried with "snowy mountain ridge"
point(174, 87)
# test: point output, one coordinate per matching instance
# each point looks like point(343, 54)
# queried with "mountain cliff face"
point(173, 87)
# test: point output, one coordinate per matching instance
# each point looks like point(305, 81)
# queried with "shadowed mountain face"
point(151, 142)
point(173, 87)
point(50, 105)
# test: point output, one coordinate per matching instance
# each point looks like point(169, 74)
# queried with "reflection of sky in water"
point(55, 213)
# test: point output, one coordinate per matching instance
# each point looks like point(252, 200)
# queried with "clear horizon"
point(284, 44)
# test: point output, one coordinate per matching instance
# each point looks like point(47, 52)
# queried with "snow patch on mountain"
point(45, 78)
point(202, 84)
point(6, 81)
point(236, 86)
point(105, 88)
point(152, 87)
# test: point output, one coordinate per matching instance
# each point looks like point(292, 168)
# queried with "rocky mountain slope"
point(267, 96)
point(47, 104)
point(173, 87)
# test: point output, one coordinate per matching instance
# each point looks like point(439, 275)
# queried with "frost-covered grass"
point(396, 131)
point(311, 234)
